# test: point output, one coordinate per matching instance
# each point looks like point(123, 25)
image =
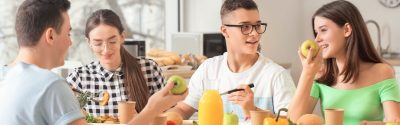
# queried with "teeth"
point(324, 46)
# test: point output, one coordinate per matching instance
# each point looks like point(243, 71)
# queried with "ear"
point(49, 35)
point(88, 42)
point(223, 31)
point(347, 30)
point(123, 34)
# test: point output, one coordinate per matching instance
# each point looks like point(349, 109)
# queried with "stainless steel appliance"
point(213, 44)
point(135, 47)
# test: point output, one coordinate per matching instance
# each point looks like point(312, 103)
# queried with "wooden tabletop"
point(184, 73)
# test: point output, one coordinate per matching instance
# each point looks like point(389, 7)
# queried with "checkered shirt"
point(95, 79)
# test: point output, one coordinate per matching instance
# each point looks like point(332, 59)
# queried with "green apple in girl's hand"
point(231, 119)
point(180, 84)
point(307, 45)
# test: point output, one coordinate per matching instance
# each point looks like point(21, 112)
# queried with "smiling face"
point(106, 42)
point(330, 37)
point(237, 42)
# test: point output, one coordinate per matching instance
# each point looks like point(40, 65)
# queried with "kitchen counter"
point(393, 62)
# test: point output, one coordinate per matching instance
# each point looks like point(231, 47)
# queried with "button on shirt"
point(96, 79)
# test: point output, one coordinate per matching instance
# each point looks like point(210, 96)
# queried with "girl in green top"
point(348, 70)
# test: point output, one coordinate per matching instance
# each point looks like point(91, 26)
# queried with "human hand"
point(311, 65)
point(243, 98)
point(163, 99)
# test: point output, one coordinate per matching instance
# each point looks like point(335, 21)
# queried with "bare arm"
point(157, 104)
point(183, 109)
point(302, 102)
point(392, 111)
point(145, 117)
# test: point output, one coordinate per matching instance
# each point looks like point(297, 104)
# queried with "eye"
point(96, 43)
point(246, 27)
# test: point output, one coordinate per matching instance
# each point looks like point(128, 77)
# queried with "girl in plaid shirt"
point(122, 75)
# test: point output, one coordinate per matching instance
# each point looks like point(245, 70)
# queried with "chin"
point(326, 56)
point(106, 61)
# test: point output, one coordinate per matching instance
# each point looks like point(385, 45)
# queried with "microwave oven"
point(214, 44)
point(208, 44)
point(135, 47)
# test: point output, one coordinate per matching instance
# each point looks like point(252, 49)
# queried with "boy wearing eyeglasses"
point(241, 65)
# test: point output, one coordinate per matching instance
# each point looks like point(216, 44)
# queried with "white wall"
point(283, 36)
point(201, 15)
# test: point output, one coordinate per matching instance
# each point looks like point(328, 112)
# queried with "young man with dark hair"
point(32, 94)
point(242, 64)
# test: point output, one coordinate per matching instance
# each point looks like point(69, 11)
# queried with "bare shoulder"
point(384, 70)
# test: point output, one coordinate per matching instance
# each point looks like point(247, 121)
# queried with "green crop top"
point(359, 104)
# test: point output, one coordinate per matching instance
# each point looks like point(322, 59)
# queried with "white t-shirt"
point(34, 96)
point(273, 85)
point(3, 72)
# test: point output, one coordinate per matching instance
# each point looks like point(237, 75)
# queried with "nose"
point(317, 39)
point(106, 48)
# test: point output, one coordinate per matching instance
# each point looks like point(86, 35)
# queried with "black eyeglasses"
point(248, 28)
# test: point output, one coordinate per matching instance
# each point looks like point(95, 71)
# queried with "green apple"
point(307, 45)
point(231, 119)
point(180, 84)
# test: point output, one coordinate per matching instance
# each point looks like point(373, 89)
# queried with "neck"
point(241, 62)
point(34, 56)
point(112, 66)
point(340, 61)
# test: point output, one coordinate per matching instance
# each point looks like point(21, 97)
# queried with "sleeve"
point(315, 91)
point(284, 89)
point(196, 87)
point(62, 106)
point(158, 81)
point(74, 79)
point(390, 91)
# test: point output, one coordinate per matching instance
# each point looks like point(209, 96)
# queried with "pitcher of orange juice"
point(211, 111)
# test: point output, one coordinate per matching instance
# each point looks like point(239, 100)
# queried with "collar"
point(106, 73)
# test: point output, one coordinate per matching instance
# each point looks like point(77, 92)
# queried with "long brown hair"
point(134, 80)
point(358, 47)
